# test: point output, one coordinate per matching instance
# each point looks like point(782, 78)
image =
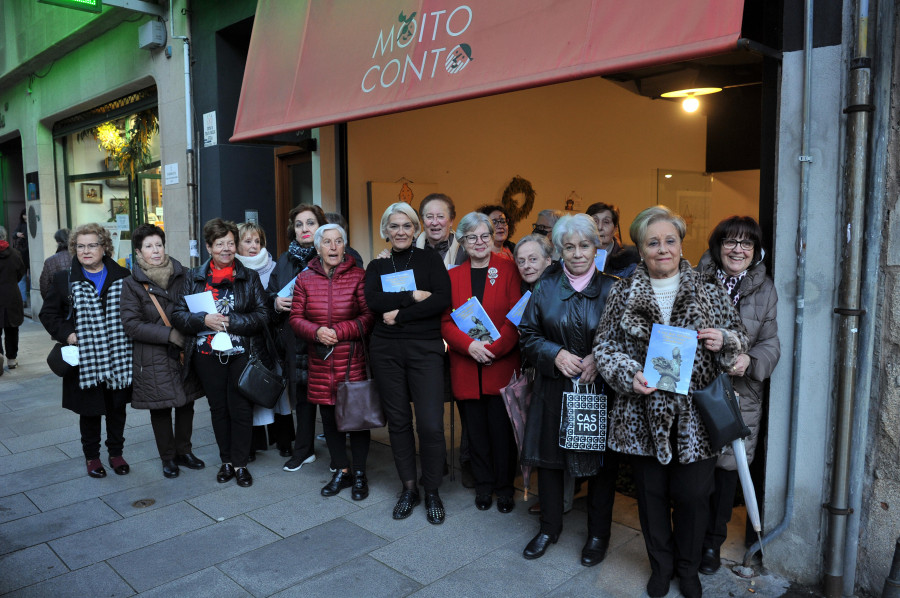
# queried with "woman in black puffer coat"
point(157, 372)
point(303, 221)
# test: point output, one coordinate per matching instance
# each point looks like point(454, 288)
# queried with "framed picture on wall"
point(91, 193)
point(119, 206)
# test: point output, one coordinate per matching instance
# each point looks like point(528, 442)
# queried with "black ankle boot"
point(360, 485)
point(340, 480)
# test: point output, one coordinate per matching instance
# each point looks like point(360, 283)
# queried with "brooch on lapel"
point(492, 275)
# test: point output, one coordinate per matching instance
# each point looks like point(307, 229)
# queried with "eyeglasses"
point(541, 229)
point(499, 222)
point(89, 247)
point(472, 239)
point(746, 244)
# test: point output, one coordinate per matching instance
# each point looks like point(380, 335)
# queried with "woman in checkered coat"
point(82, 309)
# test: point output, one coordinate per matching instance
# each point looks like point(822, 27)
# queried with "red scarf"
point(4, 245)
point(221, 274)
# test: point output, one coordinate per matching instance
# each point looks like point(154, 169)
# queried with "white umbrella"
point(743, 468)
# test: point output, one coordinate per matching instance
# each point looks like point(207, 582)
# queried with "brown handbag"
point(357, 405)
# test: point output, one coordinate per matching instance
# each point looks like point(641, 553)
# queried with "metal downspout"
point(848, 310)
point(802, 225)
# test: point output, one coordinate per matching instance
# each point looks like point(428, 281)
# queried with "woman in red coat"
point(328, 311)
point(480, 365)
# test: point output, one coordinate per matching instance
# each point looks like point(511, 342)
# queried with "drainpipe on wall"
point(802, 226)
point(191, 174)
point(848, 309)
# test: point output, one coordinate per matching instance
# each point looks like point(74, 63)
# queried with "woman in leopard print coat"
point(671, 456)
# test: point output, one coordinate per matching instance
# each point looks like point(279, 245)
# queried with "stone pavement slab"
point(15, 507)
point(31, 459)
point(363, 576)
point(96, 580)
point(209, 583)
point(25, 567)
point(46, 526)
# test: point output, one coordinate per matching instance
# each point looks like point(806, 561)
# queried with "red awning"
point(319, 62)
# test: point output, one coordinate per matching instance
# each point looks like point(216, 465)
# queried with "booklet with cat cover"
point(471, 318)
point(670, 358)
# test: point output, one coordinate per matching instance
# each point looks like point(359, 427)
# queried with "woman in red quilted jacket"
point(329, 311)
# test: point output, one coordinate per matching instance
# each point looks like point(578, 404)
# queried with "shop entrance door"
point(293, 185)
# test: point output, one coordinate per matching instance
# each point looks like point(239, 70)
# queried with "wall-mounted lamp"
point(691, 103)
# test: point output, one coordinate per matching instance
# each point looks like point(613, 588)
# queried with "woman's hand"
point(712, 339)
point(639, 384)
point(326, 336)
point(72, 339)
point(478, 351)
point(385, 253)
point(589, 371)
point(283, 303)
point(215, 322)
point(390, 317)
point(421, 295)
point(567, 363)
point(740, 366)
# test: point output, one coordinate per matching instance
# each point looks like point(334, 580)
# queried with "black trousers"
point(231, 413)
point(673, 535)
point(600, 498)
point(337, 442)
point(171, 442)
point(12, 341)
point(305, 413)
point(115, 429)
point(413, 370)
point(492, 450)
point(721, 501)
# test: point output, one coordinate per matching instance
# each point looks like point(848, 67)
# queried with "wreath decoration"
point(518, 185)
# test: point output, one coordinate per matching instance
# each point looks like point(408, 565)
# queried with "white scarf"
point(261, 262)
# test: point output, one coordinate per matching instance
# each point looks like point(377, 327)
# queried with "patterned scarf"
point(159, 275)
point(104, 350)
point(731, 283)
point(302, 255)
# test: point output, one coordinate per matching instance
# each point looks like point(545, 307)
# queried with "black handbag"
point(258, 383)
point(720, 412)
point(357, 405)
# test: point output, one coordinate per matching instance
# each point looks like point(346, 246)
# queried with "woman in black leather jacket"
point(242, 312)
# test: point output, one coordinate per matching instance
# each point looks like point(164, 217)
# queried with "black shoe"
point(285, 452)
point(594, 550)
point(295, 463)
point(468, 478)
point(404, 507)
point(340, 480)
point(710, 561)
point(658, 585)
point(119, 465)
point(190, 461)
point(170, 469)
point(360, 486)
point(538, 545)
point(243, 477)
point(226, 472)
point(95, 469)
point(483, 501)
point(690, 586)
point(505, 504)
point(434, 508)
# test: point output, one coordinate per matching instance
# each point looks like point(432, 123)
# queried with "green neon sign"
point(95, 6)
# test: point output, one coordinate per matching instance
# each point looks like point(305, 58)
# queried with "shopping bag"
point(583, 423)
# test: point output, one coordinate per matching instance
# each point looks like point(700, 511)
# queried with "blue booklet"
point(471, 318)
point(405, 280)
point(288, 289)
point(600, 259)
point(670, 358)
point(515, 314)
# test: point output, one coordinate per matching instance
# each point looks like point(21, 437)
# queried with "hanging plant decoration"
point(518, 208)
point(131, 152)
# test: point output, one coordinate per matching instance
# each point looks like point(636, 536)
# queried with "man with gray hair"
point(56, 262)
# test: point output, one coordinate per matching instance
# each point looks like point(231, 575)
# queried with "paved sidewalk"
point(64, 534)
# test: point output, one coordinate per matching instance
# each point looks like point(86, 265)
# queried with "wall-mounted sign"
point(95, 6)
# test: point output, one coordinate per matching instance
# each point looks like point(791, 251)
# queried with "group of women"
point(580, 325)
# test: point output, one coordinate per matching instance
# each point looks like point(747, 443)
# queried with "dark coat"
point(758, 309)
point(557, 317)
point(157, 378)
point(247, 320)
point(643, 425)
point(53, 264)
point(622, 261)
point(338, 302)
point(12, 269)
point(60, 324)
point(465, 373)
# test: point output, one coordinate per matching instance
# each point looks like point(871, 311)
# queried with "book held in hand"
point(600, 259)
point(398, 282)
point(515, 314)
point(471, 318)
point(670, 358)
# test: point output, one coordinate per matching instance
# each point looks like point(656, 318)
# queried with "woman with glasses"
point(242, 314)
point(82, 309)
point(504, 228)
point(545, 221)
point(480, 368)
point(735, 259)
point(408, 356)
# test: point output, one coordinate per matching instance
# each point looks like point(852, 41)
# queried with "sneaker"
point(13, 364)
point(295, 463)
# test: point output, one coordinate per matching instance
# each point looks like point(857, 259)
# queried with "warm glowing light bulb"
point(668, 176)
point(690, 104)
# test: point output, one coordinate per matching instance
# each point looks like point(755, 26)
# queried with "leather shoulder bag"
point(258, 383)
point(357, 405)
point(720, 411)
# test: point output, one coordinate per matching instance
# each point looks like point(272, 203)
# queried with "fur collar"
point(642, 310)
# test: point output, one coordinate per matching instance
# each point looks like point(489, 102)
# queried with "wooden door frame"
point(285, 157)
